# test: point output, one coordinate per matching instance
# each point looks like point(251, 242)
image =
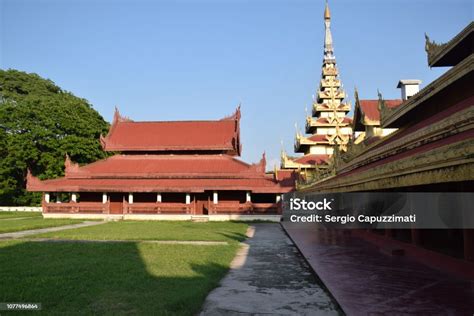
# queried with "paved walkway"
point(24, 233)
point(365, 281)
point(17, 218)
point(269, 277)
point(146, 241)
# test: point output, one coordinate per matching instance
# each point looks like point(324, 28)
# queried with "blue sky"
point(197, 59)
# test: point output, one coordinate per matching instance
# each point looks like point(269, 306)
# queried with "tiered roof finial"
point(328, 48)
point(327, 13)
point(328, 124)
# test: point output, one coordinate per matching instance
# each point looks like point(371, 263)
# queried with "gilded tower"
point(328, 125)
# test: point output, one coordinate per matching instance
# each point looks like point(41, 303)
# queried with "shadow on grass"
point(111, 279)
point(239, 237)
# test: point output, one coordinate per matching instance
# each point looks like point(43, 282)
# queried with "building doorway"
point(202, 204)
point(116, 203)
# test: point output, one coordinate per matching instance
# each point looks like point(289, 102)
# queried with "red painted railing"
point(223, 207)
point(233, 207)
point(81, 207)
point(158, 208)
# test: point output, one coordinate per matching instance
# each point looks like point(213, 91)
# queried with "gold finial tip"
point(327, 14)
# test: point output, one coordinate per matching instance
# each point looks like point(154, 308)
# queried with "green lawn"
point(155, 230)
point(131, 278)
point(111, 279)
point(19, 214)
point(14, 225)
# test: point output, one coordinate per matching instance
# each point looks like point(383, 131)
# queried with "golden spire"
point(327, 14)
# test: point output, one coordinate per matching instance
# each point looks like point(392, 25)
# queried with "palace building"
point(166, 170)
point(328, 126)
point(422, 143)
point(366, 124)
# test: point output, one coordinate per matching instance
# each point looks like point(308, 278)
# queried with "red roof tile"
point(313, 159)
point(371, 110)
point(220, 135)
point(162, 173)
point(325, 120)
point(318, 138)
point(165, 166)
point(260, 185)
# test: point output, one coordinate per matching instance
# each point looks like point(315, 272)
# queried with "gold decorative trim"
point(436, 51)
point(456, 123)
point(387, 117)
point(419, 169)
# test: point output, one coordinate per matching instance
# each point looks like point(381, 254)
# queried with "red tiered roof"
point(193, 185)
point(318, 138)
point(204, 136)
point(371, 110)
point(188, 156)
point(166, 166)
point(162, 173)
point(313, 159)
point(325, 120)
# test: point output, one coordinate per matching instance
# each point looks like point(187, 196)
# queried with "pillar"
point(104, 198)
point(248, 197)
point(158, 197)
point(58, 200)
point(188, 198)
point(130, 198)
point(278, 198)
point(73, 197)
point(215, 197)
point(46, 197)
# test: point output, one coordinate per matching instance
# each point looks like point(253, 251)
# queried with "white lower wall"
point(167, 217)
point(20, 209)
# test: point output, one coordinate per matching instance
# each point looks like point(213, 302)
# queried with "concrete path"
point(25, 233)
point(366, 281)
point(269, 277)
point(102, 241)
point(17, 218)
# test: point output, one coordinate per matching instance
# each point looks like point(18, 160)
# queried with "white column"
point(73, 197)
point(188, 198)
point(248, 197)
point(104, 197)
point(278, 198)
point(46, 197)
point(158, 197)
point(130, 198)
point(215, 197)
point(58, 200)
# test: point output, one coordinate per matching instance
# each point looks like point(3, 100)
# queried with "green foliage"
point(39, 124)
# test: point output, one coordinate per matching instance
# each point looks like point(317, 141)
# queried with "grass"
point(154, 230)
point(19, 214)
point(13, 225)
point(132, 278)
point(111, 279)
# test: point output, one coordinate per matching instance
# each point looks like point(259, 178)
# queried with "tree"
point(39, 124)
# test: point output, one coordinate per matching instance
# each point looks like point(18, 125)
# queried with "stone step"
point(200, 218)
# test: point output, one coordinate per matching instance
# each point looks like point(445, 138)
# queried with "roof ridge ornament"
point(234, 116)
point(261, 166)
point(31, 180)
point(119, 118)
point(69, 166)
